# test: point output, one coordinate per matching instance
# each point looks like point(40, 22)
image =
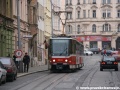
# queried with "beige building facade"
point(95, 23)
point(23, 24)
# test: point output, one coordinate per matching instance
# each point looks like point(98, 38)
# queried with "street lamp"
point(19, 40)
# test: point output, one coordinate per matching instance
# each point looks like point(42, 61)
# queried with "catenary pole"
point(51, 19)
point(19, 41)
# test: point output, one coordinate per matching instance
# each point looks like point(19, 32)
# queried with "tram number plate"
point(59, 67)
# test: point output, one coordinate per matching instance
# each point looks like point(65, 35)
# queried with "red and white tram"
point(65, 53)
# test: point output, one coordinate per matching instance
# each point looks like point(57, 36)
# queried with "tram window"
point(73, 47)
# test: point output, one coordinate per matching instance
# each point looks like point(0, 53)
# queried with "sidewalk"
point(33, 70)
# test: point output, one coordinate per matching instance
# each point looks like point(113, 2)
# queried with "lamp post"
point(51, 19)
point(19, 40)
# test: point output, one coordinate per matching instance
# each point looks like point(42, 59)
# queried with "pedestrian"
point(104, 52)
point(15, 61)
point(26, 61)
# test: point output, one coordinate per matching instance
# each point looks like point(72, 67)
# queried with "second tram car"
point(65, 53)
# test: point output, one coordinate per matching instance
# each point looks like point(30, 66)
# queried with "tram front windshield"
point(60, 47)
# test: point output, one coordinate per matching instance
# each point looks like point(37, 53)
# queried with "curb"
point(25, 74)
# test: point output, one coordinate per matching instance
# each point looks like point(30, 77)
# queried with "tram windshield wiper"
point(63, 51)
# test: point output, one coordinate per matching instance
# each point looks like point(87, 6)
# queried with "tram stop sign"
point(18, 53)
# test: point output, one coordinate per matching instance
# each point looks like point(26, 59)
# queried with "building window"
point(106, 27)
point(88, 13)
point(69, 29)
point(84, 13)
point(118, 13)
point(78, 14)
point(94, 13)
point(94, 1)
point(118, 1)
point(78, 29)
point(84, 1)
point(69, 15)
point(106, 14)
point(78, 2)
point(106, 1)
point(93, 28)
point(68, 2)
point(118, 27)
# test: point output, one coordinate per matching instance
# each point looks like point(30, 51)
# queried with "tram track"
point(83, 77)
point(42, 80)
point(30, 81)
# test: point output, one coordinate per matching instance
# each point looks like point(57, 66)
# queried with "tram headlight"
point(54, 60)
point(66, 60)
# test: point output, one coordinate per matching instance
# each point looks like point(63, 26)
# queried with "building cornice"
point(106, 5)
point(78, 8)
point(69, 8)
point(94, 7)
point(118, 6)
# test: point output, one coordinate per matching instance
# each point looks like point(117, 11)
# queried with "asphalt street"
point(89, 76)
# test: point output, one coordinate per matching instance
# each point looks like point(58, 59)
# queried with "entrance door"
point(118, 43)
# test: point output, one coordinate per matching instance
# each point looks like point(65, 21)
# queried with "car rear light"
point(102, 62)
point(115, 62)
point(9, 70)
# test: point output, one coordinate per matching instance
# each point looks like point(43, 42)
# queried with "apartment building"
point(95, 23)
point(56, 7)
point(6, 28)
point(23, 25)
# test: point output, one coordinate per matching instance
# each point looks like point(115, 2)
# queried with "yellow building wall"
point(47, 19)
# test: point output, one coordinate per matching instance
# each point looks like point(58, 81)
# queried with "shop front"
point(94, 41)
point(106, 44)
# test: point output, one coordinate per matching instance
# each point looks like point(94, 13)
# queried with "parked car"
point(116, 55)
point(95, 50)
point(87, 52)
point(10, 67)
point(108, 62)
point(2, 74)
point(108, 52)
point(114, 52)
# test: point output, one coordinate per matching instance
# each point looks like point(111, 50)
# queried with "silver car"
point(2, 74)
point(87, 52)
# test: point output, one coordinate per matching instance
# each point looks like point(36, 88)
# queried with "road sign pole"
point(19, 41)
point(18, 54)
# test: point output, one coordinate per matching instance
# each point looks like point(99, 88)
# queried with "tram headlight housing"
point(66, 60)
point(53, 60)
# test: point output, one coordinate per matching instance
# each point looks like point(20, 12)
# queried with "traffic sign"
point(18, 53)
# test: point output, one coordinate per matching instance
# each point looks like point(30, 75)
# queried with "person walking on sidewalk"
point(15, 61)
point(26, 61)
